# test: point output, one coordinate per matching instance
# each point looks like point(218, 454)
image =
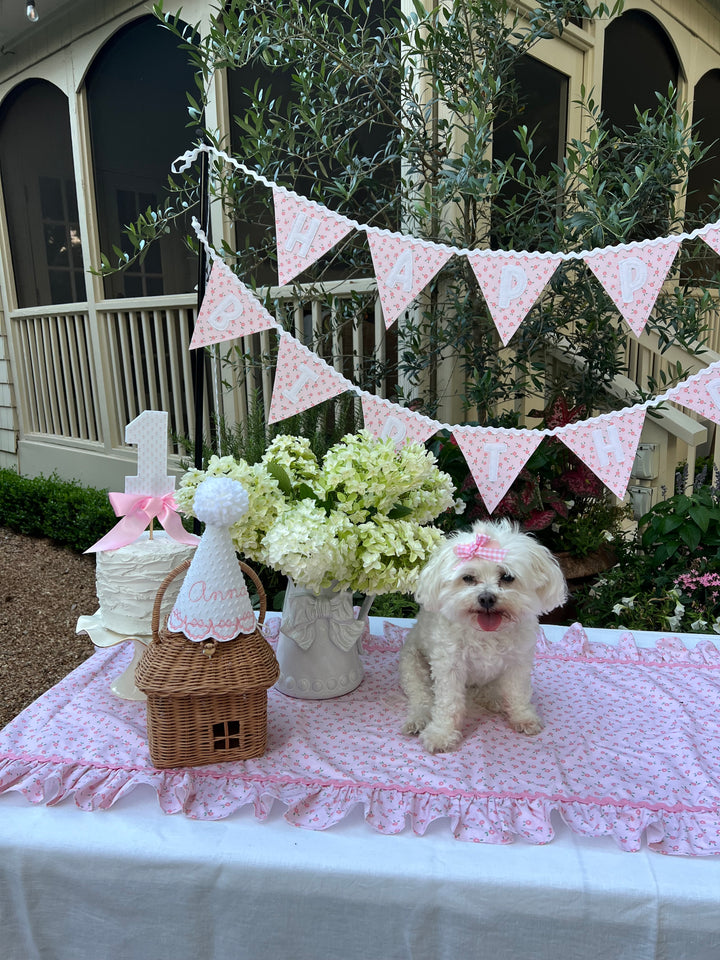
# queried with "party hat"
point(213, 601)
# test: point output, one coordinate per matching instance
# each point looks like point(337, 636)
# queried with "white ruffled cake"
point(127, 581)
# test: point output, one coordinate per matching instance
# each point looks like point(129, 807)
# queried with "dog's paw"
point(415, 723)
point(529, 725)
point(440, 739)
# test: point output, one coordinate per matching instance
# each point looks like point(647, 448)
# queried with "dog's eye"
point(469, 578)
point(507, 578)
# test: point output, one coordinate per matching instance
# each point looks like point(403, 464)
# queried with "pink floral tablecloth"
point(631, 749)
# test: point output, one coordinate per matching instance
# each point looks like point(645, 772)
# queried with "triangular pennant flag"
point(229, 310)
point(712, 238)
point(304, 231)
point(403, 266)
point(495, 457)
point(302, 380)
point(633, 274)
point(384, 419)
point(510, 284)
point(607, 445)
point(701, 393)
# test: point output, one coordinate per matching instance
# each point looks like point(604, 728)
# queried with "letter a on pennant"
point(302, 380)
point(495, 457)
point(304, 231)
point(229, 310)
point(384, 419)
point(403, 267)
point(510, 285)
point(701, 393)
point(607, 445)
point(632, 275)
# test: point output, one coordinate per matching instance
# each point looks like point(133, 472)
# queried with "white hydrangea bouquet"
point(360, 521)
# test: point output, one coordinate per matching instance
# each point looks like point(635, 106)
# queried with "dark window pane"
point(39, 186)
point(137, 109)
point(542, 102)
point(51, 200)
point(639, 59)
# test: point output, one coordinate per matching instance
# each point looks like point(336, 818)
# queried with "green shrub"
point(62, 510)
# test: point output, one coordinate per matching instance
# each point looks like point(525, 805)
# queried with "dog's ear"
point(433, 576)
point(550, 588)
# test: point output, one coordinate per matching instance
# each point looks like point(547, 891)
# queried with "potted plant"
point(359, 521)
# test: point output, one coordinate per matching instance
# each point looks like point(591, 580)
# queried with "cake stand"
point(124, 685)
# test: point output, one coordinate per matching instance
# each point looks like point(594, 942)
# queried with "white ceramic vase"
point(319, 644)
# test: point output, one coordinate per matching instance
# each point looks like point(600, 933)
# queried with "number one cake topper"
point(149, 493)
point(149, 432)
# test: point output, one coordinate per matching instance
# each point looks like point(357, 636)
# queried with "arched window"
point(542, 107)
point(136, 92)
point(704, 178)
point(639, 60)
point(38, 182)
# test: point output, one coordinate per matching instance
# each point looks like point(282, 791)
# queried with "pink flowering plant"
point(668, 576)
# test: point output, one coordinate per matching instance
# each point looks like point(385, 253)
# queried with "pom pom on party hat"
point(213, 601)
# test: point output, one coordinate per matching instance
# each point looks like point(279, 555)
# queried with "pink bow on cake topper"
point(482, 546)
point(137, 511)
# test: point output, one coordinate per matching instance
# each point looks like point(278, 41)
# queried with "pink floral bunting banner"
point(495, 457)
point(510, 284)
point(302, 380)
point(701, 393)
point(633, 274)
point(607, 445)
point(403, 266)
point(229, 310)
point(385, 419)
point(304, 231)
point(712, 238)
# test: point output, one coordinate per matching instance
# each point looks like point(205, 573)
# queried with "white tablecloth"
point(132, 883)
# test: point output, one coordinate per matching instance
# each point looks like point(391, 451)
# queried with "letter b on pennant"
point(225, 312)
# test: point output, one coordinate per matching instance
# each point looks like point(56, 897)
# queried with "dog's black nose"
point(486, 600)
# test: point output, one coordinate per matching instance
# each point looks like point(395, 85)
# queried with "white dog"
point(481, 594)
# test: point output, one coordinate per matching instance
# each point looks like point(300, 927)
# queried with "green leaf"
point(280, 474)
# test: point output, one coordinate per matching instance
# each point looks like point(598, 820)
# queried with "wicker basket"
point(206, 702)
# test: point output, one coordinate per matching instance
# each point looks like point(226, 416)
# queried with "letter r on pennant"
point(607, 446)
point(306, 375)
point(302, 232)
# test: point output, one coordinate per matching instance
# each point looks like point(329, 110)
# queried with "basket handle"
point(181, 568)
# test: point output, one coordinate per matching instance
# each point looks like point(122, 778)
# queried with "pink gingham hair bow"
point(482, 546)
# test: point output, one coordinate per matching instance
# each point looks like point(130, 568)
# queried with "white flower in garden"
point(618, 608)
point(699, 626)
